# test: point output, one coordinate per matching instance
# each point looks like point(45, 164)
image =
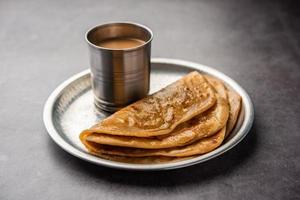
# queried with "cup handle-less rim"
point(115, 23)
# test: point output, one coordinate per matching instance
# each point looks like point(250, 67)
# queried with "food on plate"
point(190, 117)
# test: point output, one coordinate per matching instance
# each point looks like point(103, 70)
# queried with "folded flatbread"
point(203, 125)
point(198, 135)
point(199, 125)
point(162, 111)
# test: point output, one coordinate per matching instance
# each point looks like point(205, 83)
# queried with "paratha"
point(162, 111)
point(200, 126)
point(202, 144)
point(198, 135)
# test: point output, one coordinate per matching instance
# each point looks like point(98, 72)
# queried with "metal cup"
point(119, 76)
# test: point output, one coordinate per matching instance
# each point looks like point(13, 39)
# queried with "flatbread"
point(203, 125)
point(198, 135)
point(160, 113)
point(235, 103)
point(199, 147)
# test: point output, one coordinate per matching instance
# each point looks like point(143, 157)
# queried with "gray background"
point(256, 43)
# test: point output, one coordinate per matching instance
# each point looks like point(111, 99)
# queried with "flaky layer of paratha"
point(235, 104)
point(161, 112)
point(199, 147)
point(234, 100)
point(218, 86)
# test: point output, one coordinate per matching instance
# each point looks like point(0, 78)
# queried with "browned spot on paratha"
point(199, 147)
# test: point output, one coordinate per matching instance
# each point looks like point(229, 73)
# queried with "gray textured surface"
point(256, 43)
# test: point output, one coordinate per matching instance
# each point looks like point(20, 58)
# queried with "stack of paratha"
point(189, 117)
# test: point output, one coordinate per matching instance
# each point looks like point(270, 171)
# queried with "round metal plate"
point(70, 109)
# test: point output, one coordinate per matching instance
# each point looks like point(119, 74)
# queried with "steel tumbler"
point(119, 76)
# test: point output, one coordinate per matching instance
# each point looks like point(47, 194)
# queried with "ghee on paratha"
point(162, 111)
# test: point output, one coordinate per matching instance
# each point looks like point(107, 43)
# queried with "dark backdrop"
point(255, 42)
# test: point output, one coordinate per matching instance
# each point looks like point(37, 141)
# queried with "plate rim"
point(241, 133)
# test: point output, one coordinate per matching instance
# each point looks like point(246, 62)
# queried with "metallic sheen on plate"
point(70, 109)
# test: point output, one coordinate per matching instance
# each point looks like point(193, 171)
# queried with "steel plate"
point(69, 110)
